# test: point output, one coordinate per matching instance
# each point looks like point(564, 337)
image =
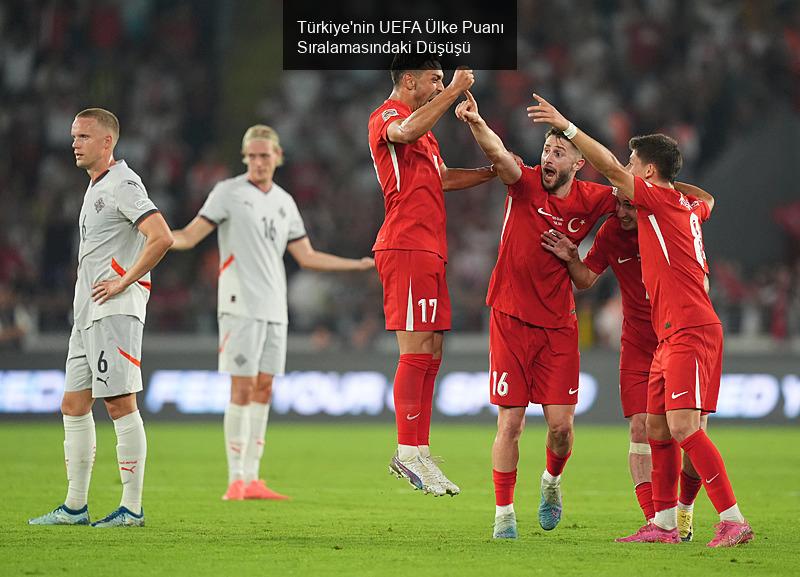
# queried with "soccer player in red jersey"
point(533, 332)
point(616, 245)
point(687, 365)
point(411, 248)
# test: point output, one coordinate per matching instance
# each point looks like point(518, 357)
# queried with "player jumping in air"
point(411, 249)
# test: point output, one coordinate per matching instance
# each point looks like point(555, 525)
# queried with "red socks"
point(504, 487)
point(666, 457)
point(424, 425)
point(644, 493)
point(709, 465)
point(555, 464)
point(408, 385)
point(690, 487)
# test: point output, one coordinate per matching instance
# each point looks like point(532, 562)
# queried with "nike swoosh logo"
point(622, 260)
point(712, 478)
point(410, 418)
point(542, 212)
point(572, 392)
point(675, 396)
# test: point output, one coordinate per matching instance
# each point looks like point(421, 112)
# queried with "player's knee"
point(681, 431)
point(560, 430)
point(510, 430)
point(638, 429)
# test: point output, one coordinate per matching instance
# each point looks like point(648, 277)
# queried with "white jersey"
point(114, 204)
point(254, 229)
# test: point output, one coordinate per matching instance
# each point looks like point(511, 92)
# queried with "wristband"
point(571, 131)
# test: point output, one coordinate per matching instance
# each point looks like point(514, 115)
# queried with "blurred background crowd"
point(187, 78)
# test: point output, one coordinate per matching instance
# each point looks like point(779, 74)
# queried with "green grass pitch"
point(347, 516)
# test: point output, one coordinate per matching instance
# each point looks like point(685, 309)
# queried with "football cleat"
point(235, 491)
point(431, 463)
point(505, 526)
point(731, 534)
point(122, 517)
point(417, 474)
point(259, 490)
point(550, 505)
point(685, 529)
point(651, 533)
point(62, 515)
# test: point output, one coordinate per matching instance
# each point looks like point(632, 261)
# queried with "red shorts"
point(530, 364)
point(633, 392)
point(686, 370)
point(415, 296)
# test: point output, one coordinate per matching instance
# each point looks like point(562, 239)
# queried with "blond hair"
point(263, 132)
point(105, 119)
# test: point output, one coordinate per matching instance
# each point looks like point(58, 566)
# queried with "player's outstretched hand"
point(463, 78)
point(560, 245)
point(543, 111)
point(105, 289)
point(366, 263)
point(467, 110)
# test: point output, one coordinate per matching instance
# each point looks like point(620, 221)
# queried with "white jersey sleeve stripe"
point(660, 236)
point(505, 220)
point(393, 154)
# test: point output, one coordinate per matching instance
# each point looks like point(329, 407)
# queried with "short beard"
point(561, 180)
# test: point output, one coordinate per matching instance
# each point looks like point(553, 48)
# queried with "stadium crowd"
point(154, 64)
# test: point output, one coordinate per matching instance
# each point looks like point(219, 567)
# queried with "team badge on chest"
point(99, 205)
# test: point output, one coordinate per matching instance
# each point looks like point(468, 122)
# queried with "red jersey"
point(528, 282)
point(619, 249)
point(673, 258)
point(412, 186)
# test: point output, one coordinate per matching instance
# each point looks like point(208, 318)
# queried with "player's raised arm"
point(598, 155)
point(309, 258)
point(188, 237)
point(697, 192)
point(505, 165)
point(426, 116)
point(159, 240)
point(561, 246)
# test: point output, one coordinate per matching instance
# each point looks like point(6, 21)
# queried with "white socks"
point(237, 433)
point(79, 450)
point(424, 451)
point(407, 452)
point(503, 509)
point(550, 479)
point(131, 455)
point(667, 519)
point(732, 514)
point(258, 414)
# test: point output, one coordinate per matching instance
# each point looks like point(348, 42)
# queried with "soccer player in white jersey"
point(257, 221)
point(122, 237)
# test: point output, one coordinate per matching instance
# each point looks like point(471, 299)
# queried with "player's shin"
point(258, 414)
point(709, 464)
point(79, 451)
point(408, 385)
point(666, 457)
point(426, 408)
point(131, 456)
point(237, 431)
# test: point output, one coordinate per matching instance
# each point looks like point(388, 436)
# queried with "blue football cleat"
point(62, 515)
point(550, 505)
point(505, 526)
point(122, 517)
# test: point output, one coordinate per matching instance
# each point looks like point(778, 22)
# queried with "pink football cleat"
point(731, 534)
point(235, 491)
point(259, 490)
point(652, 533)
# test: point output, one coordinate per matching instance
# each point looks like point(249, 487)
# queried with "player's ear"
point(279, 154)
point(579, 164)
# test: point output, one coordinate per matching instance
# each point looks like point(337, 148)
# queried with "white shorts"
point(106, 357)
point(251, 346)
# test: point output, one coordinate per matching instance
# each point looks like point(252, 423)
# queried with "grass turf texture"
point(347, 516)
